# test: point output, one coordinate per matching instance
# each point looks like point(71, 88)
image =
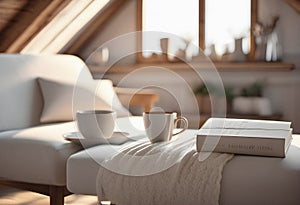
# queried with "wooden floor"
point(10, 196)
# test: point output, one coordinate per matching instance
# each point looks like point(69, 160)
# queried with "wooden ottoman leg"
point(57, 194)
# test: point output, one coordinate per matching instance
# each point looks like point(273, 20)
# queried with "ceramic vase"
point(238, 54)
point(164, 45)
point(261, 48)
point(273, 50)
point(213, 54)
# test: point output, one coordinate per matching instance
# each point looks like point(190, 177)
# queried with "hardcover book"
point(241, 136)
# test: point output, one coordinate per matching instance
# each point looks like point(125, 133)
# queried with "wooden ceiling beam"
point(38, 23)
point(26, 23)
point(99, 21)
point(12, 4)
point(18, 24)
point(9, 9)
point(295, 4)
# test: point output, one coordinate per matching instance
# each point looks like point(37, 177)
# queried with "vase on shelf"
point(261, 48)
point(238, 54)
point(100, 57)
point(213, 54)
point(273, 49)
point(164, 45)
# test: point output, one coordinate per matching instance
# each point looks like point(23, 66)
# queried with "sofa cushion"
point(37, 154)
point(62, 100)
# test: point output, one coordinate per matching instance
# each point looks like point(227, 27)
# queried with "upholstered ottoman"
point(246, 180)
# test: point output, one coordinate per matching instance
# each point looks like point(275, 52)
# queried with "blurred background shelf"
point(221, 66)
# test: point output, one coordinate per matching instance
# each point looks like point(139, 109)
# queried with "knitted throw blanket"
point(168, 173)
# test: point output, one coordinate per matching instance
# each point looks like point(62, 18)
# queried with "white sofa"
point(34, 155)
point(37, 101)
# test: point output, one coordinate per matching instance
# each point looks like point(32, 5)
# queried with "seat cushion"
point(37, 154)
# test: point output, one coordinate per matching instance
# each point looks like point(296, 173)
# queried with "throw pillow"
point(62, 99)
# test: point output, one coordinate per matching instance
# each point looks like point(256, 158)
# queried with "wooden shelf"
point(255, 66)
point(221, 66)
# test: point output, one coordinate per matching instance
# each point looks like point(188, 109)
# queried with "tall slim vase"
point(261, 48)
point(238, 54)
point(164, 45)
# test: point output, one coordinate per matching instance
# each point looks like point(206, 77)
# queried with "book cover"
point(241, 136)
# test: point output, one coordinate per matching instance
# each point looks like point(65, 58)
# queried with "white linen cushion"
point(62, 100)
point(37, 154)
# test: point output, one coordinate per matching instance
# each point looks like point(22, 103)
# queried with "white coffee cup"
point(96, 123)
point(160, 126)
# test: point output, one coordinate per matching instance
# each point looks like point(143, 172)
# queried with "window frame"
point(254, 8)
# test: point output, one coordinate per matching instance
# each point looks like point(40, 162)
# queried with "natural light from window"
point(226, 21)
point(172, 16)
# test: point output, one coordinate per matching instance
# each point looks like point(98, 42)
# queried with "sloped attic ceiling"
point(295, 4)
point(9, 9)
point(24, 15)
point(51, 26)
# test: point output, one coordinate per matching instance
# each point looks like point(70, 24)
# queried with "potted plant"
point(204, 98)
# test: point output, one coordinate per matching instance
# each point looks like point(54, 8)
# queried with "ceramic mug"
point(160, 126)
point(96, 123)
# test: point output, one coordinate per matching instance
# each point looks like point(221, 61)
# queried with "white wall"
point(282, 87)
point(122, 23)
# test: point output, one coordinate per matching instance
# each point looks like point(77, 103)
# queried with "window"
point(168, 18)
point(222, 27)
point(204, 23)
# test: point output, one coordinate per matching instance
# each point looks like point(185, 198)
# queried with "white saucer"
point(116, 139)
